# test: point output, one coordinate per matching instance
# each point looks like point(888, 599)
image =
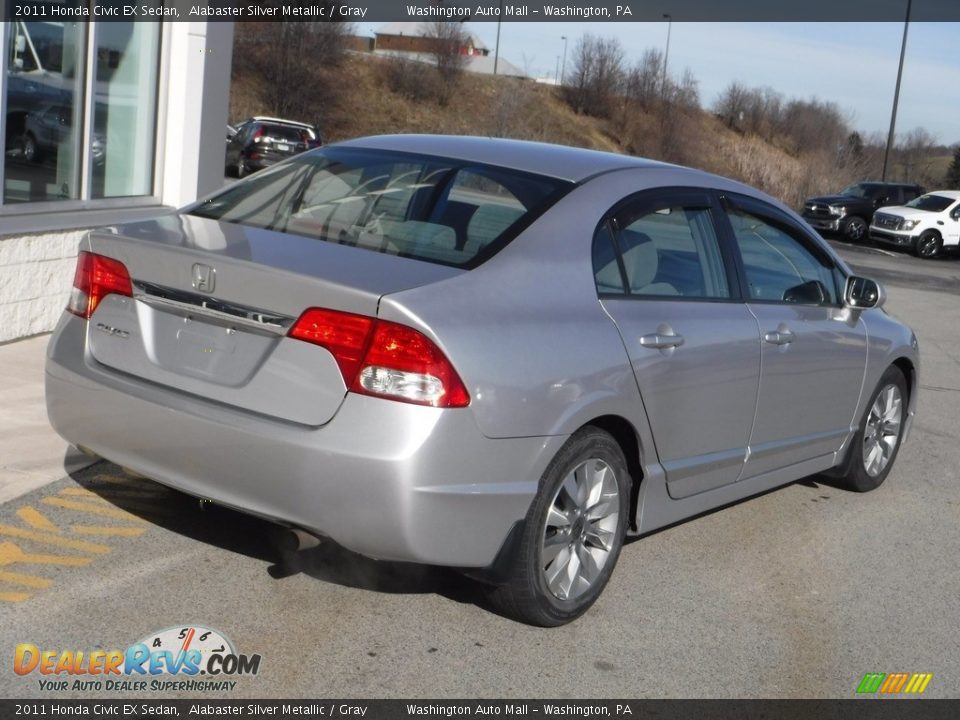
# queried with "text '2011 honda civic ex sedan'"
point(487, 354)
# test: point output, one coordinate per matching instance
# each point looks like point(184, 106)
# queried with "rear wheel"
point(572, 535)
point(877, 442)
point(928, 245)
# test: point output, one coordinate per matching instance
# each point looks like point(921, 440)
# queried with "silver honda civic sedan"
point(493, 355)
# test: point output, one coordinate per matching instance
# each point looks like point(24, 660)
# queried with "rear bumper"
point(385, 479)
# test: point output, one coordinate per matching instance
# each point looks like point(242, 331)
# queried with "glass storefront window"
point(125, 109)
point(73, 132)
point(44, 111)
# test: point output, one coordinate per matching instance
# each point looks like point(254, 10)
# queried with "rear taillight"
point(385, 359)
point(97, 276)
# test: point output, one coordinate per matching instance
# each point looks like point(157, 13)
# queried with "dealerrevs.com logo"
point(189, 658)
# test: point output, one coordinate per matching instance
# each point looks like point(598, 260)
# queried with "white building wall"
point(36, 273)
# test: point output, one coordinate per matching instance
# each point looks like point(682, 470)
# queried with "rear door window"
point(665, 246)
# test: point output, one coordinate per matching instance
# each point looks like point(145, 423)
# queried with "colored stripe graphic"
point(871, 682)
point(894, 683)
point(918, 683)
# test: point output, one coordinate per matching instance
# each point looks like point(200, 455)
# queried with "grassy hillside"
point(371, 95)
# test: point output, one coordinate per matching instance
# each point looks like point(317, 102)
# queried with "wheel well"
point(626, 436)
point(909, 372)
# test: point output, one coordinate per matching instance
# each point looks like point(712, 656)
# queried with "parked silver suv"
point(487, 354)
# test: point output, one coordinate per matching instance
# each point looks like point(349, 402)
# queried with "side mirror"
point(863, 293)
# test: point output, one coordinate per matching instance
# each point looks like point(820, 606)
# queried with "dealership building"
point(104, 122)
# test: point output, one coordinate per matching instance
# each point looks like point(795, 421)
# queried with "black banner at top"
point(482, 10)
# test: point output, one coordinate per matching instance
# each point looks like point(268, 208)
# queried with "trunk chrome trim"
point(203, 305)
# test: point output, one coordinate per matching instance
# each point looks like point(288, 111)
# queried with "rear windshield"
point(931, 203)
point(284, 132)
point(434, 209)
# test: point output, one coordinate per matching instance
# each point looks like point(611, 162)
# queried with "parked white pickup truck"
point(926, 225)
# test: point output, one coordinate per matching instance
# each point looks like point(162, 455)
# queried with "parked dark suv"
point(261, 141)
point(850, 211)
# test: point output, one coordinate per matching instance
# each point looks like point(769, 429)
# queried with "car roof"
point(887, 184)
point(280, 121)
point(557, 161)
point(952, 194)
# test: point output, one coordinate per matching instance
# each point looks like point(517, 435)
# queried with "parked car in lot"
point(850, 211)
point(260, 142)
point(927, 225)
point(487, 354)
point(47, 128)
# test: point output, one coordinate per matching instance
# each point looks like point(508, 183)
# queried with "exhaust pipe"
point(294, 540)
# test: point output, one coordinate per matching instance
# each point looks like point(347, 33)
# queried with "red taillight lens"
point(97, 276)
point(382, 358)
point(345, 335)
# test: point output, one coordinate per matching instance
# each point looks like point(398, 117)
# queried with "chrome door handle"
point(779, 337)
point(659, 341)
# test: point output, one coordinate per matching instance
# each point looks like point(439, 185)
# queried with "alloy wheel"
point(581, 529)
point(882, 430)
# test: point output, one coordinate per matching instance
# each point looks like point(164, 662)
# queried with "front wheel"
point(877, 442)
point(29, 148)
point(928, 245)
point(572, 535)
point(855, 230)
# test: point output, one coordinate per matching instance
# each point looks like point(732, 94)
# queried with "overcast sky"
point(851, 64)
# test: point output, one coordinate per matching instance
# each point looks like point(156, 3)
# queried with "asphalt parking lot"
point(796, 593)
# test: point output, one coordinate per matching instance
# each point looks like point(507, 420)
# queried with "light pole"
point(563, 65)
point(556, 73)
point(666, 55)
point(496, 52)
point(896, 94)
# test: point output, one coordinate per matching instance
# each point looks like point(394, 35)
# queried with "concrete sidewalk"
point(31, 453)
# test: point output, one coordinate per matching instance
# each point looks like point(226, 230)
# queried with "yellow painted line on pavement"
point(90, 508)
point(22, 579)
point(102, 530)
point(49, 539)
point(82, 492)
point(127, 481)
point(36, 519)
point(11, 553)
point(14, 596)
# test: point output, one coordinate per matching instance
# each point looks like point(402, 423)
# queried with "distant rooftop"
point(422, 29)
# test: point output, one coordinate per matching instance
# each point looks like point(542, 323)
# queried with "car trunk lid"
point(213, 302)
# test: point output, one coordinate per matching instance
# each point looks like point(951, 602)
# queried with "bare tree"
point(448, 40)
point(916, 156)
point(290, 58)
point(731, 105)
point(596, 76)
point(953, 172)
point(642, 82)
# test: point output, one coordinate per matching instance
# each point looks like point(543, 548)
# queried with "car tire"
point(877, 442)
point(580, 511)
point(855, 229)
point(29, 148)
point(928, 245)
